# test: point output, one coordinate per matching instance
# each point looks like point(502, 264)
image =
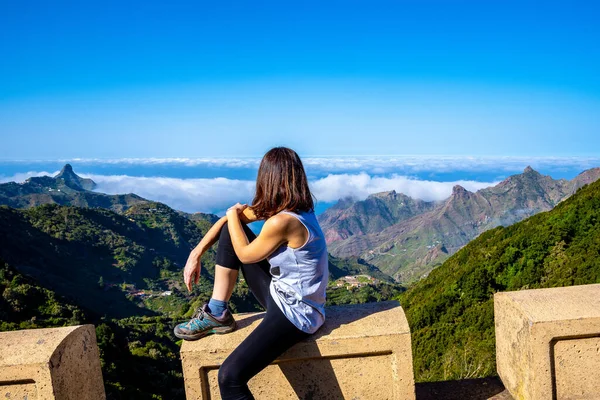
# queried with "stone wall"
point(548, 342)
point(53, 363)
point(362, 352)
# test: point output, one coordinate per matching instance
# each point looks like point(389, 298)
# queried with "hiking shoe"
point(204, 323)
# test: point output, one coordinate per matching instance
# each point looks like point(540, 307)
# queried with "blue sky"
point(201, 79)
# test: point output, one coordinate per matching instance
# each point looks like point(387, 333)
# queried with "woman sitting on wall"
point(285, 267)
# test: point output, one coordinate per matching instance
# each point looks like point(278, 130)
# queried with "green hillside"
point(339, 267)
point(24, 304)
point(100, 259)
point(451, 311)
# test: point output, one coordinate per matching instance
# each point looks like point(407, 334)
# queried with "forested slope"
point(451, 311)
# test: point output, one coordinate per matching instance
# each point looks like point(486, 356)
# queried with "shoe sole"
point(219, 330)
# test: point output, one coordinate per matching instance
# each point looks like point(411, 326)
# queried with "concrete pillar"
point(362, 352)
point(53, 363)
point(548, 341)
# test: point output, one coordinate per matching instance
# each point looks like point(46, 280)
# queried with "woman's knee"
point(224, 234)
point(229, 375)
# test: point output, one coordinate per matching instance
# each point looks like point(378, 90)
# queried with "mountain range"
point(78, 243)
point(66, 188)
point(69, 189)
point(406, 238)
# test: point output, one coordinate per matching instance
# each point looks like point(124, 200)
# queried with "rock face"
point(406, 238)
point(379, 211)
point(73, 181)
point(66, 188)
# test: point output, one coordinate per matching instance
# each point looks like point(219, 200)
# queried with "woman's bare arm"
point(273, 234)
point(212, 235)
point(210, 238)
point(191, 272)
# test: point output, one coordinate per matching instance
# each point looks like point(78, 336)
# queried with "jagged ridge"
point(408, 248)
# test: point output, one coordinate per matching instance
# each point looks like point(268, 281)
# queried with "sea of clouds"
point(331, 178)
point(217, 194)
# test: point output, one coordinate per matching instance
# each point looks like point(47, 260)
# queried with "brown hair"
point(281, 184)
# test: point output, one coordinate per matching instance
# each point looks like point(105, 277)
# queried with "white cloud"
point(217, 194)
point(191, 195)
point(23, 176)
point(416, 164)
point(334, 187)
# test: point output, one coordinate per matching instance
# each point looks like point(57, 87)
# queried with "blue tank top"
point(300, 276)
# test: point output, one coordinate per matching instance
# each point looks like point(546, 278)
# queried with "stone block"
point(361, 352)
point(548, 342)
point(52, 363)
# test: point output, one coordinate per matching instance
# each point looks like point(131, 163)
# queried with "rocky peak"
point(382, 195)
point(74, 181)
point(66, 171)
point(458, 190)
point(528, 176)
point(531, 175)
point(530, 171)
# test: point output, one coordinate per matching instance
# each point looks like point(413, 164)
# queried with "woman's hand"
point(191, 272)
point(247, 216)
point(236, 209)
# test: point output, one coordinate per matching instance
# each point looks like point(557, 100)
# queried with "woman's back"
point(300, 276)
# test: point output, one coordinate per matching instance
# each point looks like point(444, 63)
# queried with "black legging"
point(274, 335)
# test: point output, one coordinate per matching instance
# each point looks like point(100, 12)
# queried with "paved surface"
point(468, 389)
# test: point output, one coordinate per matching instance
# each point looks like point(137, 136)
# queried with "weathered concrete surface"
point(577, 368)
point(53, 363)
point(362, 352)
point(548, 341)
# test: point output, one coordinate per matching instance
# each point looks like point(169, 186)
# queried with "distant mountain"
point(379, 211)
point(205, 221)
point(71, 180)
point(408, 248)
point(66, 188)
point(450, 312)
